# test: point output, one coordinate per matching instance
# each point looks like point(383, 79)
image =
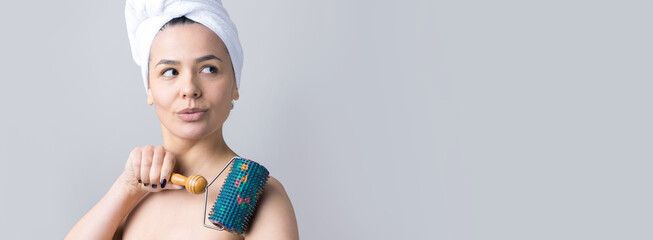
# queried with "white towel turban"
point(146, 17)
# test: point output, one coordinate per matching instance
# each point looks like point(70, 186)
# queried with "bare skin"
point(189, 68)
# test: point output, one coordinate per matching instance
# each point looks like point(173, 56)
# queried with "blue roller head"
point(236, 202)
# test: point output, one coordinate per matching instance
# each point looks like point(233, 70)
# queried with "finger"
point(155, 170)
point(135, 161)
point(146, 164)
point(169, 162)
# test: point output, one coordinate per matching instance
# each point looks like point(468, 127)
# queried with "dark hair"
point(176, 21)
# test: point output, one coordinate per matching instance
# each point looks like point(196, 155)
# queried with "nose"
point(189, 87)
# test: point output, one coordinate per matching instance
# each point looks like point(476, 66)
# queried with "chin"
point(193, 130)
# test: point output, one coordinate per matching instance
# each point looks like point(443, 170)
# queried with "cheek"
point(162, 98)
point(217, 91)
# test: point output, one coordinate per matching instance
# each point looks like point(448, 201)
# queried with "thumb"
point(172, 186)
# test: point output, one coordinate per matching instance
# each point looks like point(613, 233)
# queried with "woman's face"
point(191, 80)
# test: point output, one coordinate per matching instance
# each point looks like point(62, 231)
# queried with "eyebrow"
point(206, 58)
point(198, 60)
point(167, 62)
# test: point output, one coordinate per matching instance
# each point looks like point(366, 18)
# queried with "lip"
point(191, 114)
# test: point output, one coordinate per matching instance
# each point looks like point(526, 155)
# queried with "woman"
point(192, 79)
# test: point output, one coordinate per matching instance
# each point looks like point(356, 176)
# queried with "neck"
point(205, 156)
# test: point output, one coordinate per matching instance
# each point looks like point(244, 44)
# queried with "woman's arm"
point(145, 168)
point(102, 221)
point(275, 216)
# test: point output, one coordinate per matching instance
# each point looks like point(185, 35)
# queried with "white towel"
point(145, 17)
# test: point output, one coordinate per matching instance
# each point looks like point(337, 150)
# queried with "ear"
point(150, 100)
point(234, 91)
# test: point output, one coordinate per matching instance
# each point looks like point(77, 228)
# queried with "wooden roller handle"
point(194, 184)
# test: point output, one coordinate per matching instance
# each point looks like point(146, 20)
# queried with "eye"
point(170, 72)
point(209, 69)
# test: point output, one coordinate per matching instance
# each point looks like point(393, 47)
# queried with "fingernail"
point(146, 184)
point(163, 183)
point(139, 181)
point(153, 185)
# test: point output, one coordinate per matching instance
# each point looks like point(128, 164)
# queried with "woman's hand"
point(148, 169)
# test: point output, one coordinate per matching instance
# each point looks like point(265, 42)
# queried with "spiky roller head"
point(239, 195)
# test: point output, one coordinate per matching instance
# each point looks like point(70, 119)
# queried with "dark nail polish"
point(163, 183)
point(139, 181)
point(153, 185)
point(146, 184)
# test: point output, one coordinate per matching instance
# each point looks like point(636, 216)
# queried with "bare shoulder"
point(275, 216)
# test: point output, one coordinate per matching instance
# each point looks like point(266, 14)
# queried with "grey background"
point(383, 119)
